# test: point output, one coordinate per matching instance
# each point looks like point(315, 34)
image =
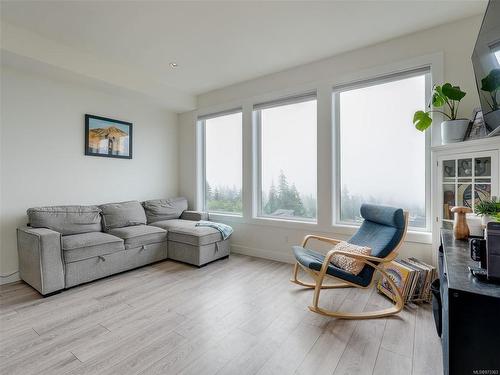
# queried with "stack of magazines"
point(412, 277)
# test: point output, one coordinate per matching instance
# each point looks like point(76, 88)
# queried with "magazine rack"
point(383, 230)
point(413, 278)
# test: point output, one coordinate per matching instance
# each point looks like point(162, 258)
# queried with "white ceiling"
point(217, 44)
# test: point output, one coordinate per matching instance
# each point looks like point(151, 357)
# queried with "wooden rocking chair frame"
point(375, 262)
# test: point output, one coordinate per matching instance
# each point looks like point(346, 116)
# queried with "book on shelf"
point(412, 277)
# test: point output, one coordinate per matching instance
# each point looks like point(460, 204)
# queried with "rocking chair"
point(383, 230)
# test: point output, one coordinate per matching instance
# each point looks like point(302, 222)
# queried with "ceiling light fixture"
point(174, 65)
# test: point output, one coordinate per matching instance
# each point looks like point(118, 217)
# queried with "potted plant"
point(491, 85)
point(488, 210)
point(449, 97)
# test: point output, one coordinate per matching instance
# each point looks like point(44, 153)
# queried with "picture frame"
point(476, 128)
point(106, 137)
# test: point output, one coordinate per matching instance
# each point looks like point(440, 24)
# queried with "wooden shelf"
point(484, 143)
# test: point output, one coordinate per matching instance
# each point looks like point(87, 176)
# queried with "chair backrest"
point(383, 229)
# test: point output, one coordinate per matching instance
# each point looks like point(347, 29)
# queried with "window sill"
point(228, 214)
point(286, 220)
point(266, 221)
point(313, 227)
point(225, 217)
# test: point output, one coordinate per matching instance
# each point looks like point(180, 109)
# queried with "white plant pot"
point(453, 131)
point(485, 219)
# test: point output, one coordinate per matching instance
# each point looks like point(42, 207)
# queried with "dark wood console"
point(470, 313)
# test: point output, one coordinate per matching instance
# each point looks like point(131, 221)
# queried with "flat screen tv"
point(486, 62)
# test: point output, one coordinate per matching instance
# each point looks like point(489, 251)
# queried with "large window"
point(382, 156)
point(287, 158)
point(223, 163)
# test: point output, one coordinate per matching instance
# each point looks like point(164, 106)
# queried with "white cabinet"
point(463, 175)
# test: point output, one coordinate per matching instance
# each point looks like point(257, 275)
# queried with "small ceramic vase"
point(460, 227)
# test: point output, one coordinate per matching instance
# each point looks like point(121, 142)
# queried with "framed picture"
point(476, 128)
point(107, 137)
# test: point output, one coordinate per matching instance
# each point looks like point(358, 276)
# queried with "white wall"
point(456, 40)
point(452, 43)
point(42, 151)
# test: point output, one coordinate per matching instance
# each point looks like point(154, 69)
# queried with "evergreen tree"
point(223, 198)
point(208, 191)
point(272, 200)
point(286, 198)
point(296, 202)
point(309, 205)
point(217, 194)
point(282, 185)
point(284, 194)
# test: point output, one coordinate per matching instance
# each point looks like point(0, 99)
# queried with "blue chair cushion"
point(314, 261)
point(381, 230)
point(384, 215)
point(382, 239)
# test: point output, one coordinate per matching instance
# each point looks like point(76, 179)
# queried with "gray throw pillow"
point(122, 214)
point(164, 209)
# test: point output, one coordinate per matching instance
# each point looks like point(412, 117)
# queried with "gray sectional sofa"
point(64, 246)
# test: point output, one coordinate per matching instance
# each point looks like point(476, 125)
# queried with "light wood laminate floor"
point(237, 316)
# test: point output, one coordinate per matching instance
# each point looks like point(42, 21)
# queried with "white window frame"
point(336, 183)
point(257, 157)
point(202, 160)
point(327, 148)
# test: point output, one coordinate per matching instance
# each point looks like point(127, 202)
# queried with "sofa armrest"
point(194, 215)
point(40, 258)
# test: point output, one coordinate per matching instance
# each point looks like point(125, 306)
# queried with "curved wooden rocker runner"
point(384, 231)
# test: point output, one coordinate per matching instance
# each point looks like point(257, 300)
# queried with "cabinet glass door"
point(464, 182)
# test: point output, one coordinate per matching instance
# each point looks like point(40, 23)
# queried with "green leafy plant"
point(487, 207)
point(447, 96)
point(491, 84)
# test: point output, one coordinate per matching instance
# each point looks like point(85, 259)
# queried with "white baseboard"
point(262, 253)
point(235, 248)
point(10, 278)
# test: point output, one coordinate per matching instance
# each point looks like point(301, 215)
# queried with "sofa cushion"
point(122, 214)
point(89, 245)
point(66, 219)
point(186, 231)
point(194, 215)
point(139, 235)
point(164, 209)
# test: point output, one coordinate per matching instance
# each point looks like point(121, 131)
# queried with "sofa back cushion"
point(122, 214)
point(165, 209)
point(66, 219)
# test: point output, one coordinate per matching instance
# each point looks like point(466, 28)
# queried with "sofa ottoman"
point(191, 244)
point(186, 242)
